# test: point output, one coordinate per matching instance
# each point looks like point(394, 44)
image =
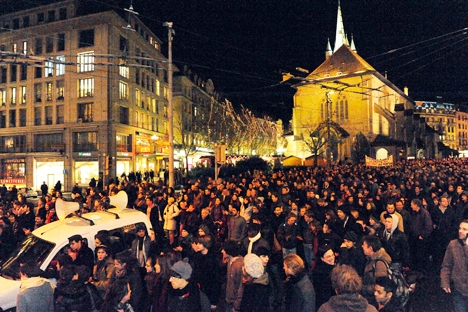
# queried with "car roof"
point(102, 220)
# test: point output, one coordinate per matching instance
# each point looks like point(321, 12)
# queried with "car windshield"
point(32, 248)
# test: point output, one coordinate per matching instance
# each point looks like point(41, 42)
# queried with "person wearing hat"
point(255, 296)
point(102, 272)
point(80, 253)
point(183, 295)
point(350, 254)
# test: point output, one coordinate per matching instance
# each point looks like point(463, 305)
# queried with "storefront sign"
point(13, 181)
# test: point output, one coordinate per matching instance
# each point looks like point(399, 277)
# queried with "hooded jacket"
point(395, 242)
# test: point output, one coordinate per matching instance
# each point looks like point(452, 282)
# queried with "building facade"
point(82, 96)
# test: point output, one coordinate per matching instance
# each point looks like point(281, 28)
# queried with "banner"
point(371, 162)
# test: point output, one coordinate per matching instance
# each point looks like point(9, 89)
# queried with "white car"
point(51, 240)
point(27, 192)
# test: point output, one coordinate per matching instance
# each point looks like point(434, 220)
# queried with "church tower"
point(340, 37)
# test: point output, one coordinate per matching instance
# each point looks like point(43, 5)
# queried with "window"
point(37, 116)
point(13, 73)
point(49, 44)
point(137, 97)
point(14, 144)
point(3, 75)
point(40, 18)
point(86, 38)
point(23, 71)
point(123, 115)
point(60, 114)
point(61, 42)
point(37, 92)
point(86, 87)
point(49, 69)
point(13, 96)
point(37, 72)
point(2, 119)
point(123, 44)
point(46, 142)
point(24, 47)
point(123, 69)
point(3, 97)
point(85, 62)
point(158, 86)
point(16, 23)
point(60, 66)
point(26, 21)
point(63, 14)
point(124, 143)
point(85, 112)
point(22, 117)
point(12, 114)
point(23, 95)
point(48, 115)
point(51, 16)
point(137, 76)
point(84, 141)
point(38, 46)
point(49, 91)
point(123, 90)
point(60, 90)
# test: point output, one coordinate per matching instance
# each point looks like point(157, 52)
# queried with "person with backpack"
point(377, 264)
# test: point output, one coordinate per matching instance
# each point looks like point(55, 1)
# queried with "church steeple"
point(340, 37)
point(328, 52)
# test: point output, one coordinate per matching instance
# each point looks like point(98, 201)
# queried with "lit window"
point(86, 87)
point(13, 96)
point(123, 69)
point(23, 95)
point(60, 65)
point(49, 69)
point(85, 62)
point(123, 90)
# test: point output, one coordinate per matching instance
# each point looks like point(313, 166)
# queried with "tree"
point(360, 148)
point(315, 141)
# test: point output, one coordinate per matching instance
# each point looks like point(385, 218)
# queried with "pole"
point(170, 113)
point(328, 112)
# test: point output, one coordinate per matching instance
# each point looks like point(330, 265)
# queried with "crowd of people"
point(298, 239)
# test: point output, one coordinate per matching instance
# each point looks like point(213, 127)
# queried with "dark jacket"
point(184, 300)
point(396, 246)
point(287, 235)
point(300, 293)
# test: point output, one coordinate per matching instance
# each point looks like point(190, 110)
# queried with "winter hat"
point(373, 217)
point(351, 236)
point(253, 265)
point(182, 269)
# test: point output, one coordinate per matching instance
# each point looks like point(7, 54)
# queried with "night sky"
point(243, 46)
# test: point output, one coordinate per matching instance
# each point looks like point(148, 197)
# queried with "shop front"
point(86, 167)
point(49, 171)
point(13, 172)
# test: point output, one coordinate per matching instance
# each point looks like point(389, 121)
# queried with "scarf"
point(34, 282)
point(252, 240)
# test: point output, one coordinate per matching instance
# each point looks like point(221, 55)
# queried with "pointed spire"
point(328, 52)
point(353, 47)
point(340, 37)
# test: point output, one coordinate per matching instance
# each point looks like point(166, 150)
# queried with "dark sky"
point(243, 45)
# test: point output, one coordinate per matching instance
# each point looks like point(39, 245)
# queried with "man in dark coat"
point(80, 253)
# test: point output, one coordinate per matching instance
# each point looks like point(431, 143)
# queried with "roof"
point(383, 140)
point(342, 62)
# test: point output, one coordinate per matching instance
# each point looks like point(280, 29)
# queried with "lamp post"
point(170, 113)
point(328, 110)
